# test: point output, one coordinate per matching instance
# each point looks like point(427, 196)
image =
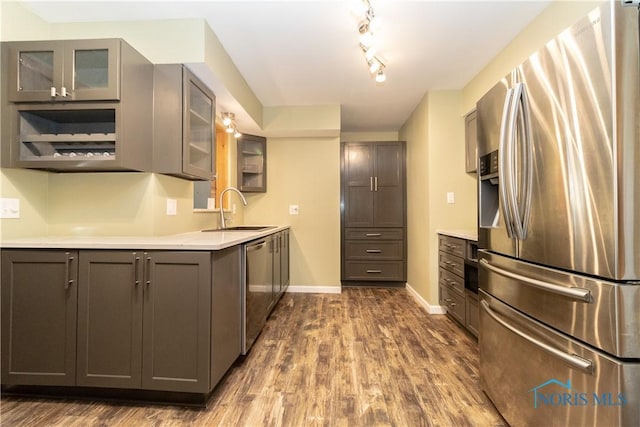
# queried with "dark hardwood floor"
point(366, 357)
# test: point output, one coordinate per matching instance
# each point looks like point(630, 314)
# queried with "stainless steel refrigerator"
point(559, 228)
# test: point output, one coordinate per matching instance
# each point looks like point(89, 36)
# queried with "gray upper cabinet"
point(373, 179)
point(65, 70)
point(76, 105)
point(471, 142)
point(184, 124)
point(39, 303)
point(110, 319)
point(252, 164)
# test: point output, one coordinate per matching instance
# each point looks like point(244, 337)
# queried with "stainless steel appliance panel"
point(568, 144)
point(570, 86)
point(601, 313)
point(541, 377)
point(258, 289)
point(492, 230)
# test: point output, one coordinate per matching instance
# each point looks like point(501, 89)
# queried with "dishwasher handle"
point(256, 246)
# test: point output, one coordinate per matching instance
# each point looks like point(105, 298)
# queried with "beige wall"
point(435, 166)
point(304, 172)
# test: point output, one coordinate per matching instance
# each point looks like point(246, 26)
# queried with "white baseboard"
point(431, 309)
point(315, 289)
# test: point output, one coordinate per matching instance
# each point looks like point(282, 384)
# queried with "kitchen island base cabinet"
point(39, 301)
point(177, 304)
point(167, 321)
point(110, 319)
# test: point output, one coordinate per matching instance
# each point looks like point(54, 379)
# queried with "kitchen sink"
point(243, 228)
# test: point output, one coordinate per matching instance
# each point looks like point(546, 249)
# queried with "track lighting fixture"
point(367, 24)
point(229, 122)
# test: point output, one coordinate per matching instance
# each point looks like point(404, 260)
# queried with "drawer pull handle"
point(373, 234)
point(374, 251)
point(571, 359)
point(374, 271)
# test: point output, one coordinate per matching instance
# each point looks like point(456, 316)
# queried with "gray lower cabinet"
point(176, 326)
point(110, 295)
point(150, 320)
point(280, 249)
point(461, 303)
point(39, 302)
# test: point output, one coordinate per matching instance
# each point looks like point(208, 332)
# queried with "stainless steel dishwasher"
point(258, 289)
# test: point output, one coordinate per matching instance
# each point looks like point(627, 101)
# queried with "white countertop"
point(196, 240)
point(462, 234)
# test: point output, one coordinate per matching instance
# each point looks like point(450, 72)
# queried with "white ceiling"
point(306, 52)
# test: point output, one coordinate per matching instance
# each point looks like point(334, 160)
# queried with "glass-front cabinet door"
point(199, 128)
point(92, 69)
point(72, 70)
point(35, 69)
point(252, 163)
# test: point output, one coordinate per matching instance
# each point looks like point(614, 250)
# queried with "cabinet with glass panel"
point(252, 163)
point(65, 70)
point(187, 151)
point(69, 105)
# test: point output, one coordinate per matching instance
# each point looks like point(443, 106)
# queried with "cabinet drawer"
point(373, 234)
point(454, 303)
point(379, 270)
point(452, 263)
point(452, 245)
point(375, 250)
point(450, 280)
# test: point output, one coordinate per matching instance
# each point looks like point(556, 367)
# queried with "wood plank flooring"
point(366, 357)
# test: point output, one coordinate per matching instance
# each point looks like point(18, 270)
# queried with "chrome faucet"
point(244, 201)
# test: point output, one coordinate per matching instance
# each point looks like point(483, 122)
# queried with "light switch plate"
point(172, 207)
point(451, 198)
point(9, 208)
point(294, 209)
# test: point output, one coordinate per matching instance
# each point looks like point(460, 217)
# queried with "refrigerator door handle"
point(572, 360)
point(520, 173)
point(511, 157)
point(578, 294)
point(504, 181)
point(528, 155)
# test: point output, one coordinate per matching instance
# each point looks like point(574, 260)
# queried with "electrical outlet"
point(9, 208)
point(451, 197)
point(294, 209)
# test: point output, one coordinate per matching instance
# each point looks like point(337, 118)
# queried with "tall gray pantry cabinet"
point(373, 213)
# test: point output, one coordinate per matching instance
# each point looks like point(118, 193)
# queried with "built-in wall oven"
point(258, 289)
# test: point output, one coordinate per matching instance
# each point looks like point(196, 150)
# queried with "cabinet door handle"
point(136, 263)
point(373, 234)
point(375, 181)
point(374, 251)
point(68, 281)
point(374, 271)
point(148, 272)
point(370, 183)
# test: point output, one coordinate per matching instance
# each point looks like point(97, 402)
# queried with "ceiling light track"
point(368, 23)
point(229, 122)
